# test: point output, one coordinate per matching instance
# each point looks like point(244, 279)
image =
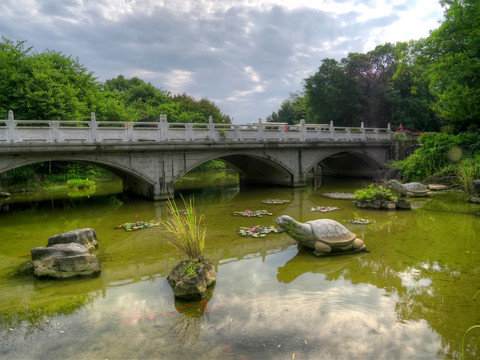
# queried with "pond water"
point(412, 296)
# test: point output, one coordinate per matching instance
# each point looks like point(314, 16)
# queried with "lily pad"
point(275, 201)
point(138, 225)
point(257, 231)
point(252, 213)
point(323, 208)
point(361, 221)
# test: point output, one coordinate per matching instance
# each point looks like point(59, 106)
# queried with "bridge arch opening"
point(251, 169)
point(345, 164)
point(61, 169)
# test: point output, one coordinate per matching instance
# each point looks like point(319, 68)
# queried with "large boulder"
point(86, 237)
point(64, 260)
point(190, 286)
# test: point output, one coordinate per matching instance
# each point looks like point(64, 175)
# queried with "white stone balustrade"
point(93, 131)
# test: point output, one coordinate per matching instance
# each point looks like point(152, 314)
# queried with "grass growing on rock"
point(184, 228)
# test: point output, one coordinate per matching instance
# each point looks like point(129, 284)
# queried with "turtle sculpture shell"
point(331, 232)
point(324, 236)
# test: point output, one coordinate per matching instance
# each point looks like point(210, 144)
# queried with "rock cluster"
point(383, 204)
point(67, 255)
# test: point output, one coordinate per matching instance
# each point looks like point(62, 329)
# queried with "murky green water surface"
point(410, 297)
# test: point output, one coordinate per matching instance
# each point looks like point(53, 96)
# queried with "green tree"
point(410, 98)
point(325, 94)
point(47, 85)
point(453, 51)
point(291, 111)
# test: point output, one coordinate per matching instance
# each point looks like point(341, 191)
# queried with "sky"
point(247, 56)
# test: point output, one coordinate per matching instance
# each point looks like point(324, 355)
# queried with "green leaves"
point(184, 228)
point(372, 192)
point(453, 51)
point(52, 86)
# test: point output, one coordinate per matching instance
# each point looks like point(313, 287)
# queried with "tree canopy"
point(422, 84)
point(49, 85)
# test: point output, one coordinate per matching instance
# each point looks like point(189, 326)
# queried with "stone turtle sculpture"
point(324, 236)
point(410, 189)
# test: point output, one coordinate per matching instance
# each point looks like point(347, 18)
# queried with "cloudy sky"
point(245, 55)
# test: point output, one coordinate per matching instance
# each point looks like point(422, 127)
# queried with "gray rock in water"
point(190, 287)
point(86, 237)
point(64, 260)
point(339, 195)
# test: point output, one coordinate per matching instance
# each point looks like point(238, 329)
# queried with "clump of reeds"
point(184, 230)
point(466, 174)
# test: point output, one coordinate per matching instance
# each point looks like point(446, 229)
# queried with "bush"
point(80, 184)
point(372, 193)
point(439, 154)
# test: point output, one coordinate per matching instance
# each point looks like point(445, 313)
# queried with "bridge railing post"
point(163, 128)
point(129, 132)
point(389, 131)
point(303, 130)
point(55, 135)
point(349, 133)
point(332, 130)
point(283, 135)
point(362, 130)
point(11, 130)
point(93, 128)
point(189, 132)
point(237, 134)
point(260, 134)
point(211, 128)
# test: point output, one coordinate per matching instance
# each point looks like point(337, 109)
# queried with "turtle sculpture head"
point(324, 236)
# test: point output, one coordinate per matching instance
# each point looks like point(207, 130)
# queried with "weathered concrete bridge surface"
point(151, 157)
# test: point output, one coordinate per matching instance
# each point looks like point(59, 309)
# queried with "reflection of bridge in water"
point(151, 157)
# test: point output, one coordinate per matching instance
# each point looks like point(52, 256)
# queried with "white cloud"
point(241, 52)
point(252, 75)
point(177, 80)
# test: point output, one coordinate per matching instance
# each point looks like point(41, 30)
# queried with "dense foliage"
point(441, 155)
point(52, 86)
point(422, 84)
point(372, 193)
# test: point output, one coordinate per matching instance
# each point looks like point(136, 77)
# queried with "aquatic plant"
point(138, 225)
point(252, 213)
point(324, 208)
point(275, 201)
point(466, 172)
point(184, 230)
point(257, 231)
point(372, 193)
point(361, 221)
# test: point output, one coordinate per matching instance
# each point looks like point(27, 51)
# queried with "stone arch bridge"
point(151, 157)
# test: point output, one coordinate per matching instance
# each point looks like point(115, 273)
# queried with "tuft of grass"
point(184, 228)
point(466, 174)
